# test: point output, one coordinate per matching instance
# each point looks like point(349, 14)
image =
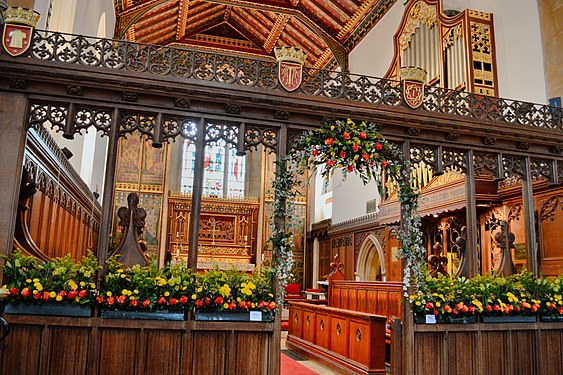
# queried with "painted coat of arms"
point(413, 86)
point(290, 67)
point(18, 30)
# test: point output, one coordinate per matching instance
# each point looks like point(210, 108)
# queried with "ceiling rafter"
point(129, 17)
point(337, 48)
point(276, 31)
point(182, 18)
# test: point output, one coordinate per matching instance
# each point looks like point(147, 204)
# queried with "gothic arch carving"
point(371, 251)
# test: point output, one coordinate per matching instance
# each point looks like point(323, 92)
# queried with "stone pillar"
point(13, 129)
point(28, 4)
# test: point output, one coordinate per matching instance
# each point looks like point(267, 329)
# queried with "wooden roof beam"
point(338, 50)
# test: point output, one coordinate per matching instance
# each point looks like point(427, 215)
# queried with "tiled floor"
point(313, 365)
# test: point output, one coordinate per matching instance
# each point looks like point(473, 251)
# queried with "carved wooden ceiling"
point(326, 30)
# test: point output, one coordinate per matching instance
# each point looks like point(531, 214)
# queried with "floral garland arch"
point(350, 147)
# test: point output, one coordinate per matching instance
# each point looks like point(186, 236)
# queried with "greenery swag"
point(350, 147)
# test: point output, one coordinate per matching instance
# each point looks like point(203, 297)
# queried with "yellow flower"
point(39, 287)
point(199, 289)
point(417, 303)
point(123, 276)
point(271, 295)
point(438, 304)
point(478, 304)
point(120, 271)
point(194, 296)
point(225, 305)
point(225, 290)
point(166, 294)
point(124, 292)
point(59, 298)
point(108, 293)
point(52, 295)
point(82, 283)
point(35, 280)
point(136, 291)
point(28, 281)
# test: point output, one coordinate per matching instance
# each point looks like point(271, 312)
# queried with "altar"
point(228, 229)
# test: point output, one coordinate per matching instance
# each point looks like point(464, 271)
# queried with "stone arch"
point(370, 265)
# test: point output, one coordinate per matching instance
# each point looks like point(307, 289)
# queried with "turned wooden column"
point(471, 260)
point(529, 217)
point(13, 126)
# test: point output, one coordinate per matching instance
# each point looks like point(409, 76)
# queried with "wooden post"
point(197, 191)
point(529, 217)
point(471, 217)
point(13, 125)
point(279, 223)
point(109, 188)
point(407, 342)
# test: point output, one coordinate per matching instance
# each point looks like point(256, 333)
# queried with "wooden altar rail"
point(351, 341)
point(371, 297)
point(489, 348)
point(40, 345)
point(62, 216)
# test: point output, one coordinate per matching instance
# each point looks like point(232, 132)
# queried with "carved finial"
point(132, 219)
point(437, 261)
point(505, 241)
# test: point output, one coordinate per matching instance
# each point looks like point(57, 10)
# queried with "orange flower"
point(365, 156)
point(346, 135)
point(378, 146)
point(355, 147)
point(329, 141)
point(342, 154)
point(363, 135)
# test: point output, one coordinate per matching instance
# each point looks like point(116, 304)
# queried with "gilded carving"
point(420, 13)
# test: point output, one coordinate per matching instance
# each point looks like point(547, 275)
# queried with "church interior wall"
point(551, 13)
point(350, 197)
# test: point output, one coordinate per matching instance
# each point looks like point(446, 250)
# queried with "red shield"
point(290, 75)
point(413, 93)
point(16, 39)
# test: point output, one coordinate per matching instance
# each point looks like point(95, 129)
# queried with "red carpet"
point(291, 367)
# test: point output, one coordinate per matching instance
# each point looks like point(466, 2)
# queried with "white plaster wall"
point(321, 208)
point(373, 55)
point(350, 197)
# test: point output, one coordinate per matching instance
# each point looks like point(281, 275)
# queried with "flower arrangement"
point(489, 295)
point(233, 290)
point(145, 288)
point(62, 280)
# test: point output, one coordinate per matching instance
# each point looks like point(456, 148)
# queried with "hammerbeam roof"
point(325, 30)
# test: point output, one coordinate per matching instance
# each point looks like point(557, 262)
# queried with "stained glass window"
point(224, 171)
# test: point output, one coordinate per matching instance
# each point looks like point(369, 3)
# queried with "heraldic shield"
point(413, 93)
point(290, 67)
point(18, 30)
point(16, 39)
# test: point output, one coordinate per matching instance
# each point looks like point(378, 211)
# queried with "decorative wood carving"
point(437, 261)
point(461, 243)
point(132, 219)
point(505, 241)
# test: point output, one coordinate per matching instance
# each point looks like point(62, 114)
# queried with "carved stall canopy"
point(57, 213)
point(228, 229)
point(325, 30)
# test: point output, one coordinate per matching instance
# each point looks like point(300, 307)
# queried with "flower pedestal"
point(234, 316)
point(143, 315)
point(50, 309)
point(508, 318)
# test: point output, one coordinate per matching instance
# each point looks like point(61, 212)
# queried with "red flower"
point(429, 305)
point(218, 300)
point(183, 299)
point(248, 304)
point(315, 152)
point(262, 304)
point(146, 303)
point(25, 292)
point(488, 308)
point(455, 312)
point(355, 147)
point(342, 154)
point(534, 307)
point(13, 292)
point(435, 312)
point(100, 299)
point(365, 156)
point(346, 135)
point(350, 168)
point(71, 294)
point(161, 300)
point(447, 308)
point(378, 146)
point(37, 295)
point(121, 299)
point(207, 300)
point(496, 307)
point(242, 305)
point(384, 163)
point(271, 305)
point(172, 301)
point(134, 303)
point(330, 163)
point(198, 302)
point(111, 300)
point(471, 309)
point(82, 294)
point(363, 135)
point(232, 305)
point(45, 296)
point(329, 141)
point(62, 293)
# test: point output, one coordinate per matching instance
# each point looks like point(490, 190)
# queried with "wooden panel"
point(361, 301)
point(494, 357)
point(359, 341)
point(339, 335)
point(551, 346)
point(210, 353)
point(23, 351)
point(68, 350)
point(524, 352)
point(382, 303)
point(460, 346)
point(372, 301)
point(161, 361)
point(309, 326)
point(118, 351)
point(296, 321)
point(428, 361)
point(251, 354)
point(353, 300)
point(323, 330)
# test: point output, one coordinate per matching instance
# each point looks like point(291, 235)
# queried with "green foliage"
point(62, 280)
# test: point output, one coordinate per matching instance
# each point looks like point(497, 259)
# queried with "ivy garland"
point(350, 147)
